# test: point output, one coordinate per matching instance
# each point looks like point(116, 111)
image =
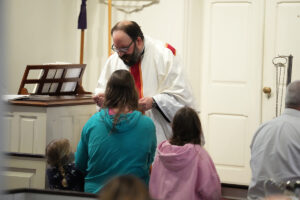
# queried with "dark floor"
point(231, 192)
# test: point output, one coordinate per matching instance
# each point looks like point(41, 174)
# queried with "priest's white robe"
point(162, 79)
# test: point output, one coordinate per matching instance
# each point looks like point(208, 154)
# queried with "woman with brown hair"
point(118, 139)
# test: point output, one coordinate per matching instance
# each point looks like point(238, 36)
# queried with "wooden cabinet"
point(28, 129)
point(25, 129)
point(24, 171)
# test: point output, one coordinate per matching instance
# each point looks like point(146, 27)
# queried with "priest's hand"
point(145, 103)
point(99, 99)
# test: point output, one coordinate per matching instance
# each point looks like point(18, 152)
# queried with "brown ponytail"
point(120, 93)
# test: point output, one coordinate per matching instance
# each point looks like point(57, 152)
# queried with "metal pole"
point(289, 70)
point(109, 27)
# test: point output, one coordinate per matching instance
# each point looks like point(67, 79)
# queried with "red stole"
point(136, 72)
point(171, 48)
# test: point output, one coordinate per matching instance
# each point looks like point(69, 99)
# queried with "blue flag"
point(82, 24)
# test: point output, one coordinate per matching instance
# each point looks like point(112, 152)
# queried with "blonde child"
point(62, 173)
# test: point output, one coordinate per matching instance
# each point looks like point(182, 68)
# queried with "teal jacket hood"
point(125, 121)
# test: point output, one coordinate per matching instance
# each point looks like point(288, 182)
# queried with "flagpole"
point(81, 46)
point(109, 27)
point(82, 25)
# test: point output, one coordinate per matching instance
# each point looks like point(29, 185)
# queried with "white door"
point(282, 37)
point(231, 83)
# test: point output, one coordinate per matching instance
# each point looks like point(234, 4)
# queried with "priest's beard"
point(131, 59)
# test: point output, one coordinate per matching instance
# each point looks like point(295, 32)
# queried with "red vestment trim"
point(136, 72)
point(171, 48)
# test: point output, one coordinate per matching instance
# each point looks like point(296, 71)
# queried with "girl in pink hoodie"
point(182, 169)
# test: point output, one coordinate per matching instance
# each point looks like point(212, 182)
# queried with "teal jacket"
point(103, 154)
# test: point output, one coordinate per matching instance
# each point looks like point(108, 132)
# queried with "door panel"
point(282, 30)
point(232, 126)
point(231, 84)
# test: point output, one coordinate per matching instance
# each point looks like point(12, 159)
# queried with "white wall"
point(2, 81)
point(165, 21)
point(1, 88)
point(43, 31)
point(40, 31)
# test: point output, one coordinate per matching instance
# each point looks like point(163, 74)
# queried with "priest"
point(157, 72)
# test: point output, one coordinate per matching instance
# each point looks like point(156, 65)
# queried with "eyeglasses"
point(123, 50)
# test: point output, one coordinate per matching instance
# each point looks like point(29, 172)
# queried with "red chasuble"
point(136, 72)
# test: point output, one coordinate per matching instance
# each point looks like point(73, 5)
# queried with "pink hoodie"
point(183, 172)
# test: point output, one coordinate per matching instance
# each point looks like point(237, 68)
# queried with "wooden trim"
point(60, 83)
point(234, 186)
point(40, 81)
point(51, 192)
point(232, 191)
point(60, 101)
point(24, 155)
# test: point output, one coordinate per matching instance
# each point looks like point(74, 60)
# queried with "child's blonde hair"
point(58, 153)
